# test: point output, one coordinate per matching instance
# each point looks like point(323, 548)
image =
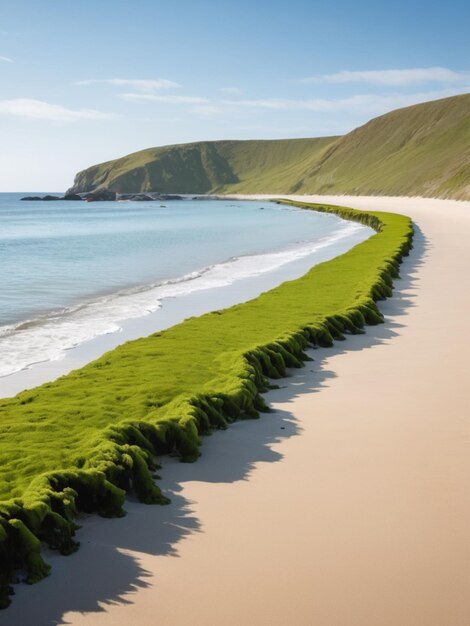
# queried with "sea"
point(72, 271)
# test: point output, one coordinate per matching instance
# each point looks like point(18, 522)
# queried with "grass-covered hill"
point(419, 150)
point(206, 166)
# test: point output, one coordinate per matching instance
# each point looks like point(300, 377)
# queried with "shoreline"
point(174, 309)
point(209, 372)
point(380, 516)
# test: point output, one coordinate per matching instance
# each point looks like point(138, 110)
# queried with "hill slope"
point(419, 150)
point(423, 150)
point(207, 166)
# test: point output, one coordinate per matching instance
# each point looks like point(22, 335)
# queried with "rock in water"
point(72, 196)
point(135, 197)
point(101, 195)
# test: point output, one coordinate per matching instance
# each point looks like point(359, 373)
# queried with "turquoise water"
point(70, 271)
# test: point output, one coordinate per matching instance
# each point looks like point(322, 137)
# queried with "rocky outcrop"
point(191, 168)
point(49, 198)
point(101, 195)
point(135, 197)
point(106, 195)
point(145, 197)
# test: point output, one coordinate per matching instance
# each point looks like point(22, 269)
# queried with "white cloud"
point(285, 104)
point(357, 105)
point(393, 77)
point(208, 110)
point(141, 97)
point(234, 91)
point(363, 104)
point(40, 110)
point(6, 59)
point(139, 84)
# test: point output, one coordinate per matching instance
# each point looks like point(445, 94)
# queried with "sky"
point(89, 81)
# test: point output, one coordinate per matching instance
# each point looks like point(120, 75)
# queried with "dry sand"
point(348, 506)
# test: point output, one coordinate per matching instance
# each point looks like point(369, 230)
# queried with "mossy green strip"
point(81, 442)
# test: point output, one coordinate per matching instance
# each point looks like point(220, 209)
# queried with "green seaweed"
point(81, 442)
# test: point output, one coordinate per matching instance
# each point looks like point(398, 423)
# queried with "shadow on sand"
point(103, 570)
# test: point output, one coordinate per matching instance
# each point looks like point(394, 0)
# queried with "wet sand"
point(347, 506)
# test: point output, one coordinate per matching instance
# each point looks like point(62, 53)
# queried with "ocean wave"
point(47, 337)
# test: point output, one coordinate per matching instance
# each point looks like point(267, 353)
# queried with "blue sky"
point(83, 82)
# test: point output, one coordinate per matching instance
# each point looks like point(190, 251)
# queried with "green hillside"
point(419, 150)
point(423, 150)
point(206, 166)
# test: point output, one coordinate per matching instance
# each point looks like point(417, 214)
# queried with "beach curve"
point(375, 488)
point(110, 421)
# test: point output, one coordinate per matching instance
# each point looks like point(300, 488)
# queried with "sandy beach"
point(347, 506)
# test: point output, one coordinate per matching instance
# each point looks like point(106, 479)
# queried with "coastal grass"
point(81, 442)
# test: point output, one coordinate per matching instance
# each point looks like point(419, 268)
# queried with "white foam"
point(46, 338)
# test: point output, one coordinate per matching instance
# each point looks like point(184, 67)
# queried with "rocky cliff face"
point(193, 168)
point(199, 168)
point(88, 180)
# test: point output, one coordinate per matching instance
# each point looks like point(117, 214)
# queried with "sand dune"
point(348, 506)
